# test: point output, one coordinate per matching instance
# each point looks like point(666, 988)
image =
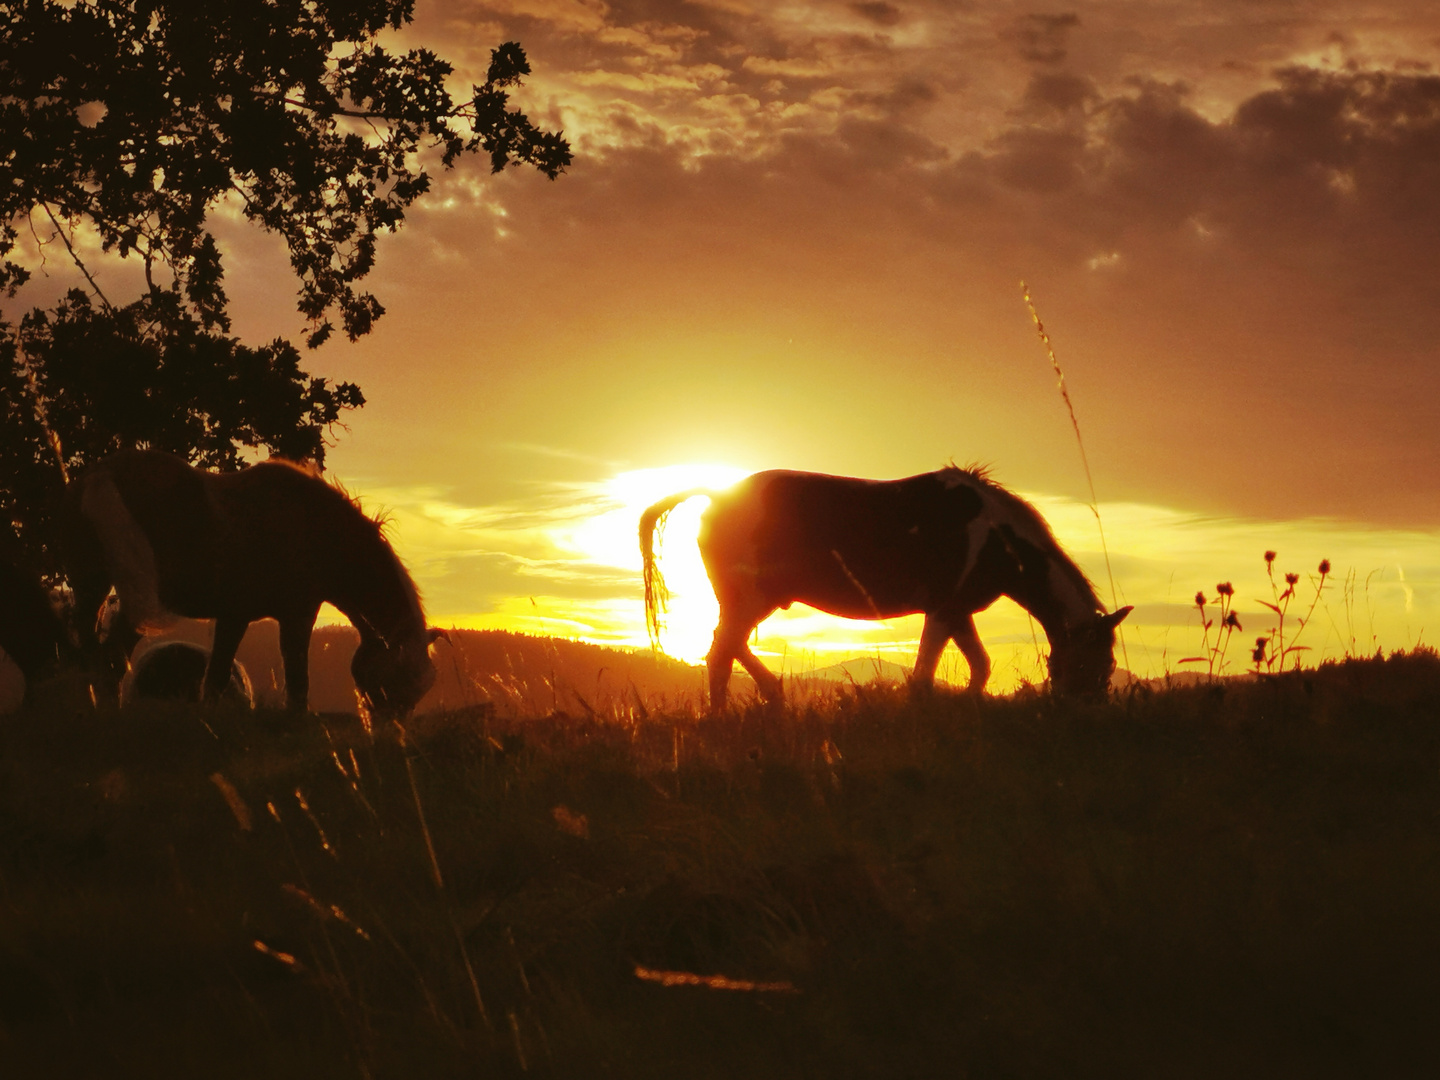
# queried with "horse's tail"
point(657, 596)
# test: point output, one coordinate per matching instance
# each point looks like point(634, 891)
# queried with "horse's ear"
point(435, 634)
point(1116, 617)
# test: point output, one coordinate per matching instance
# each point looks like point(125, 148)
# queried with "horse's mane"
point(980, 476)
point(376, 525)
point(381, 518)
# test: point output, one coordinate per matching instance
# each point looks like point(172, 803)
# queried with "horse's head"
point(1083, 658)
point(392, 677)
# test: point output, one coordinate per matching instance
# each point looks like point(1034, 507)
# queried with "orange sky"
point(793, 237)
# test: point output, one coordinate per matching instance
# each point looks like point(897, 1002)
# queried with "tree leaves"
point(140, 116)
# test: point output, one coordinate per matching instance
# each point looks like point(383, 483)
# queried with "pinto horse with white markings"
point(269, 541)
point(945, 544)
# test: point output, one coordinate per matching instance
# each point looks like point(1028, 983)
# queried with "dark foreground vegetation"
point(1236, 881)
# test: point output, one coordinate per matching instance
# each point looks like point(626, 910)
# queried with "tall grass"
point(1084, 458)
point(1234, 879)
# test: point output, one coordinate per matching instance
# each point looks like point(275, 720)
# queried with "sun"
point(610, 537)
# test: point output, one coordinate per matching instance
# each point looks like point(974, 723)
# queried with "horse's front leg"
point(295, 654)
point(228, 633)
point(968, 640)
point(718, 663)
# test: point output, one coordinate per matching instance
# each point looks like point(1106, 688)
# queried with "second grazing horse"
point(269, 541)
point(946, 544)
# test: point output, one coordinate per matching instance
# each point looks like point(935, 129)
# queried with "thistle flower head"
point(1291, 579)
point(1259, 654)
point(1269, 557)
point(1225, 589)
point(1200, 600)
point(1324, 567)
point(1233, 621)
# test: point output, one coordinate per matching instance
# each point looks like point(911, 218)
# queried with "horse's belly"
point(831, 586)
point(849, 608)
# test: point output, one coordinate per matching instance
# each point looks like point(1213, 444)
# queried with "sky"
point(794, 236)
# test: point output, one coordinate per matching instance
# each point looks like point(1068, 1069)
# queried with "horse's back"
point(286, 528)
point(848, 545)
point(245, 543)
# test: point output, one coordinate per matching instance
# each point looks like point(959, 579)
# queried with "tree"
point(135, 120)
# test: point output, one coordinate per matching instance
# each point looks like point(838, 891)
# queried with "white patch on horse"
point(128, 555)
point(993, 514)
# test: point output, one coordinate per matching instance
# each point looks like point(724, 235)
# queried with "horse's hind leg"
point(228, 633)
point(728, 646)
point(765, 679)
point(720, 660)
point(968, 640)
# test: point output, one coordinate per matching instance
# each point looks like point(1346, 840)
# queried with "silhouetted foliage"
point(131, 121)
point(139, 116)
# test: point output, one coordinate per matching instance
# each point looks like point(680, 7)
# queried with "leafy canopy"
point(139, 116)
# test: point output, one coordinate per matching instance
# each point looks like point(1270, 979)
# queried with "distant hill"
point(519, 672)
point(526, 673)
point(859, 669)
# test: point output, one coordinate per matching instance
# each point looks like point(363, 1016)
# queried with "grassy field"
point(1217, 881)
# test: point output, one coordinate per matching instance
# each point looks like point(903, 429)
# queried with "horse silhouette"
point(946, 544)
point(175, 671)
point(269, 541)
point(32, 633)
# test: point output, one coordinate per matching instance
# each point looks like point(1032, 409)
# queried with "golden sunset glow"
point(794, 238)
point(610, 539)
point(574, 551)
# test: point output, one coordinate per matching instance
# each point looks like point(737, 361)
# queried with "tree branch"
point(329, 110)
point(75, 257)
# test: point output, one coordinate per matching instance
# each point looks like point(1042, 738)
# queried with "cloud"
point(880, 13)
point(1041, 38)
point(1226, 218)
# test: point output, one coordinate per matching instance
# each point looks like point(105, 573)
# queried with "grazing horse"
point(175, 671)
point(269, 541)
point(946, 544)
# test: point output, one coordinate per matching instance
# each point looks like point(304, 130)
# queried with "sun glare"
point(611, 538)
